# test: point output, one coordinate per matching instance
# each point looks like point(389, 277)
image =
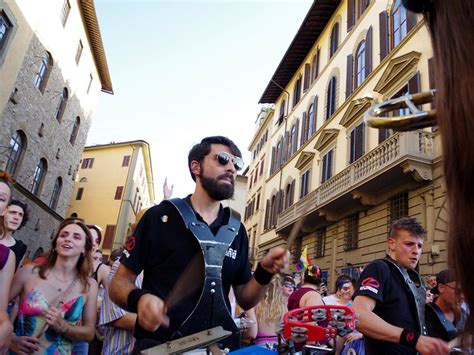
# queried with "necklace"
point(61, 280)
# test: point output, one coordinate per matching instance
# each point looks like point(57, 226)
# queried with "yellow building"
point(114, 182)
point(314, 156)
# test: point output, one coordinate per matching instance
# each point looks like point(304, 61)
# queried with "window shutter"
point(267, 214)
point(414, 84)
point(431, 78)
point(360, 140)
point(431, 73)
point(316, 71)
point(292, 193)
point(368, 52)
point(297, 124)
point(315, 114)
point(303, 129)
point(352, 146)
point(384, 47)
point(273, 164)
point(329, 169)
point(307, 76)
point(286, 145)
point(350, 14)
point(411, 20)
point(350, 77)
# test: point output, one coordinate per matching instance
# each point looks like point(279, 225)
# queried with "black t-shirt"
point(162, 247)
point(394, 304)
point(434, 325)
point(19, 248)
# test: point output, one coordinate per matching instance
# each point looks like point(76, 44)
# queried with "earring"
point(82, 254)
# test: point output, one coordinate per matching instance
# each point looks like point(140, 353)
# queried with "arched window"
point(399, 23)
point(44, 70)
point(75, 130)
point(17, 147)
point(360, 64)
point(58, 185)
point(334, 40)
point(38, 177)
point(331, 98)
point(61, 105)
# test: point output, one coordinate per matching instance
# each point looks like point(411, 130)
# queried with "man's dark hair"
point(200, 150)
point(26, 211)
point(408, 224)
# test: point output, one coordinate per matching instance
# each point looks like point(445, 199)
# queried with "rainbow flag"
point(304, 260)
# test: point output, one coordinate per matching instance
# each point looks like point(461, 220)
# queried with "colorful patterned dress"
point(31, 322)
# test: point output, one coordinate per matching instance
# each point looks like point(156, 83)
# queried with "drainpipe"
point(285, 117)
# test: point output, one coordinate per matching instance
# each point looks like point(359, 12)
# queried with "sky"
point(184, 70)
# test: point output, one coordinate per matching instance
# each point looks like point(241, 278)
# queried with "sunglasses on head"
point(223, 158)
point(289, 284)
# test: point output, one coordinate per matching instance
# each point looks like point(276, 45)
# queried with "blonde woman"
point(269, 313)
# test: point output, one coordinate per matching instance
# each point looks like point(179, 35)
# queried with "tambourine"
point(318, 323)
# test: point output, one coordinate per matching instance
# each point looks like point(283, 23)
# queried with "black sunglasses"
point(223, 158)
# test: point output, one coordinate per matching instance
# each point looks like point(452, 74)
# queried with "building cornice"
point(91, 25)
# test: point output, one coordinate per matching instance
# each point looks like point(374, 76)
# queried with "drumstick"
point(190, 280)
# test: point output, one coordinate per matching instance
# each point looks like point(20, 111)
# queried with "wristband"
point(262, 276)
point(133, 298)
point(409, 338)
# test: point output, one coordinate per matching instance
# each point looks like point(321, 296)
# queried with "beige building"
point(315, 158)
point(114, 182)
point(53, 69)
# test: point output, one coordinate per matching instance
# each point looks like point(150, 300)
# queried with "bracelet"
point(133, 298)
point(262, 276)
point(409, 338)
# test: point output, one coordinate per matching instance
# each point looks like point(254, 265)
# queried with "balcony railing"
point(415, 145)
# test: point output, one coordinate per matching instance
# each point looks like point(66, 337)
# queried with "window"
point(327, 166)
point(65, 12)
point(261, 165)
point(334, 43)
point(289, 194)
point(320, 243)
point(355, 9)
point(61, 105)
point(297, 92)
point(118, 193)
point(399, 23)
point(331, 98)
point(38, 177)
point(44, 70)
point(90, 83)
point(126, 160)
point(75, 131)
point(311, 121)
point(58, 185)
point(304, 189)
point(315, 66)
point(17, 147)
point(293, 140)
point(87, 163)
point(352, 232)
point(282, 112)
point(360, 64)
point(79, 52)
point(5, 30)
point(397, 207)
point(357, 143)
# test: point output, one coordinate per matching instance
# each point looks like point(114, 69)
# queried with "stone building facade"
point(50, 89)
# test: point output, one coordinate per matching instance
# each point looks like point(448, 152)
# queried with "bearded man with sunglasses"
point(171, 235)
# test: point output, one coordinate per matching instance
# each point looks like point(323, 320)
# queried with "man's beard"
point(215, 189)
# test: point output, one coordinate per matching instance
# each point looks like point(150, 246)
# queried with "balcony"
point(404, 158)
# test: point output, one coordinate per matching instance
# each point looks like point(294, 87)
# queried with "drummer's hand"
point(276, 260)
point(151, 313)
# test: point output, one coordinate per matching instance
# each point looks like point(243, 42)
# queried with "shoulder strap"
point(447, 325)
point(184, 210)
point(4, 253)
